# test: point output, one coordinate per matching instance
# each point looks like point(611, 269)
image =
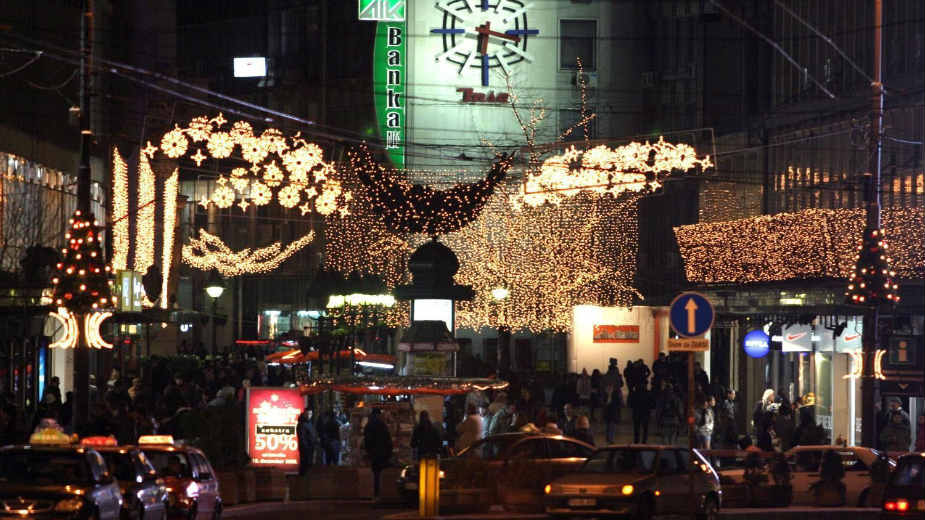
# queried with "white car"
point(804, 466)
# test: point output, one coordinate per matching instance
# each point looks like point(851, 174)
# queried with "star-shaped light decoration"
point(344, 211)
point(221, 181)
point(199, 157)
point(219, 120)
point(311, 192)
point(306, 208)
point(348, 196)
point(149, 150)
point(204, 202)
point(243, 204)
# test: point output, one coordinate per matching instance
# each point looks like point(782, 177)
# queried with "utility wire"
point(38, 54)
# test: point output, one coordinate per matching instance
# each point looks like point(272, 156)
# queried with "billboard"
point(272, 419)
point(616, 334)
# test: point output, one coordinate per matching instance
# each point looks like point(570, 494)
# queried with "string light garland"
point(82, 279)
point(872, 283)
point(92, 323)
point(120, 216)
point(68, 322)
point(813, 243)
point(171, 190)
point(209, 252)
point(416, 208)
point(635, 167)
point(277, 162)
point(144, 221)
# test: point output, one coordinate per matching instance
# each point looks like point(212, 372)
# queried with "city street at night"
point(462, 259)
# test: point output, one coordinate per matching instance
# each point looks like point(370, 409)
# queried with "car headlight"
point(442, 474)
point(627, 489)
point(548, 489)
point(192, 490)
point(404, 473)
point(69, 505)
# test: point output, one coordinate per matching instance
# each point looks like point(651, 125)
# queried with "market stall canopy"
point(428, 336)
point(402, 385)
point(296, 356)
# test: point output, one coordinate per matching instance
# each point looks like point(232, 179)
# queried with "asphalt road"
point(327, 509)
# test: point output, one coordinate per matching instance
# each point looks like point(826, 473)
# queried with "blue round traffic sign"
point(757, 344)
point(691, 314)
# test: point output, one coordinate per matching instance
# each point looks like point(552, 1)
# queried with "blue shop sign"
point(757, 344)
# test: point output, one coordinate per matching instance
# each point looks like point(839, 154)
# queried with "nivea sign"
point(757, 344)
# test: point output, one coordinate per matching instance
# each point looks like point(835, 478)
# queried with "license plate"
point(581, 502)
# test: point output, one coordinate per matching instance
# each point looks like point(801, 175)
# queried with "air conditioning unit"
point(589, 79)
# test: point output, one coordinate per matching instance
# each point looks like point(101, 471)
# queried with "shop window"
point(578, 39)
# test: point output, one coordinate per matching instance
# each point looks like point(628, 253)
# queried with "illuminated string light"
point(635, 167)
point(272, 175)
point(261, 194)
point(223, 197)
point(220, 145)
point(289, 196)
point(209, 252)
point(68, 323)
point(872, 283)
point(82, 279)
point(812, 243)
point(120, 212)
point(171, 190)
point(416, 208)
point(174, 143)
point(92, 323)
point(144, 223)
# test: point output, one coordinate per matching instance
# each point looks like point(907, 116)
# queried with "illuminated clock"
point(484, 34)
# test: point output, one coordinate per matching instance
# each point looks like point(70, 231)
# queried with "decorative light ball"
point(174, 143)
point(220, 145)
point(289, 196)
point(261, 193)
point(223, 196)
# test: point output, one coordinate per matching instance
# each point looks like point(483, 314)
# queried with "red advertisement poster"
point(616, 334)
point(272, 418)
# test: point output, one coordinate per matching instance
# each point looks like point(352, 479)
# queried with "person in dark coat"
point(425, 440)
point(378, 445)
point(642, 403)
point(305, 432)
point(612, 405)
point(329, 436)
point(583, 430)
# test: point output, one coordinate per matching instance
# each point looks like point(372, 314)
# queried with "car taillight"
point(902, 505)
point(889, 505)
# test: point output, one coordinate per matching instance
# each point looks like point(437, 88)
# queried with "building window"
point(578, 40)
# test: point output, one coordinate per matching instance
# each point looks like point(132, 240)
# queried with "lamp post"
point(215, 286)
point(499, 294)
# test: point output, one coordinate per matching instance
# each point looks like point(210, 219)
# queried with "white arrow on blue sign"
point(691, 314)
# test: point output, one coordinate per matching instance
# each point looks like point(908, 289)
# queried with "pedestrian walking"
point(566, 423)
point(583, 388)
point(705, 422)
point(470, 430)
point(642, 402)
point(612, 405)
point(762, 406)
point(425, 439)
point(897, 434)
point(305, 433)
point(727, 415)
point(329, 437)
point(668, 414)
point(378, 445)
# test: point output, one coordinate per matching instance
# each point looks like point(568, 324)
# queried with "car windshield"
point(490, 449)
point(170, 463)
point(121, 465)
point(621, 461)
point(44, 468)
point(910, 472)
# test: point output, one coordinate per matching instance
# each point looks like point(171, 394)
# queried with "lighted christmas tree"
point(872, 282)
point(83, 280)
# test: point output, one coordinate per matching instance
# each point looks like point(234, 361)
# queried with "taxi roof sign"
point(51, 436)
point(155, 439)
point(99, 440)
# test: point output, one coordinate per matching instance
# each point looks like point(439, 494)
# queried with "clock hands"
point(484, 31)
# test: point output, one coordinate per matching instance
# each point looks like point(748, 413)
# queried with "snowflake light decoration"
point(289, 197)
point(174, 143)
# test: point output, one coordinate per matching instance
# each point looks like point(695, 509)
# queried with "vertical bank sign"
point(272, 419)
point(389, 78)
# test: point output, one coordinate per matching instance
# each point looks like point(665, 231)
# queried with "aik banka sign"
point(389, 73)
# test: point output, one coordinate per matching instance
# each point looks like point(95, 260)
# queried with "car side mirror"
point(204, 476)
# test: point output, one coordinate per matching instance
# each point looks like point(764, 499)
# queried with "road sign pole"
point(690, 433)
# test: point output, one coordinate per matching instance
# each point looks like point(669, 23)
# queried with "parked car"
point(904, 496)
point(805, 462)
point(54, 477)
point(508, 469)
point(192, 486)
point(636, 481)
point(144, 495)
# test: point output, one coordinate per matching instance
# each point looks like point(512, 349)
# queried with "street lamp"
point(215, 286)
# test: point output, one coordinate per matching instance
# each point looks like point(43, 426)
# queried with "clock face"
point(484, 35)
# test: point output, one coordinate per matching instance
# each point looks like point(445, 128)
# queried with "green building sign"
point(382, 10)
point(389, 81)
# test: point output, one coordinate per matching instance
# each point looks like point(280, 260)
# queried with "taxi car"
point(144, 495)
point(55, 477)
point(805, 463)
point(636, 481)
point(508, 469)
point(904, 496)
point(191, 483)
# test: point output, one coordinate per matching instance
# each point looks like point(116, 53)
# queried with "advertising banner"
point(616, 334)
point(272, 418)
